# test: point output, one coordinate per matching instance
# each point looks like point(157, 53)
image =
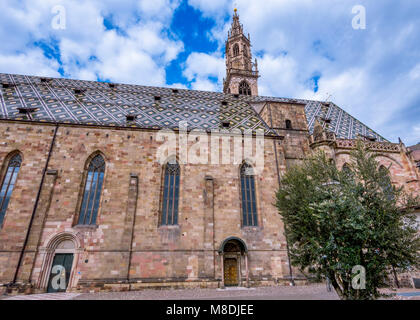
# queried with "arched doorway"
point(61, 267)
point(60, 260)
point(232, 252)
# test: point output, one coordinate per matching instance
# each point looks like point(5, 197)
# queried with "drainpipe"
point(292, 281)
point(36, 205)
point(133, 180)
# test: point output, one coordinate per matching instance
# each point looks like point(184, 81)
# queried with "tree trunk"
point(337, 287)
point(395, 277)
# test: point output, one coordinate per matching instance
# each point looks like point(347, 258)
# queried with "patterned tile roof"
point(415, 147)
point(99, 103)
point(341, 123)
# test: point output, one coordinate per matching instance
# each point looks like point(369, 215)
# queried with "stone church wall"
point(209, 212)
point(17, 137)
point(295, 145)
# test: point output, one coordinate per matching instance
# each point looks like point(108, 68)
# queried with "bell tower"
point(241, 73)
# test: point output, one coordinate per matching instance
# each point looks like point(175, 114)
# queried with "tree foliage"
point(337, 219)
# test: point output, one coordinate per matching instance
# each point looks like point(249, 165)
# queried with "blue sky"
point(305, 49)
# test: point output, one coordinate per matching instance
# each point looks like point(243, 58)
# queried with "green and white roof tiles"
point(99, 103)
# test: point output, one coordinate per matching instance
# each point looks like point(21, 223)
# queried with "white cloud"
point(32, 62)
point(122, 60)
point(211, 8)
point(279, 75)
point(203, 64)
point(139, 58)
point(204, 85)
point(160, 10)
point(199, 67)
point(374, 74)
point(177, 86)
point(138, 53)
point(416, 131)
point(415, 72)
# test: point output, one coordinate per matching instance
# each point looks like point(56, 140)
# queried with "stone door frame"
point(49, 253)
point(235, 255)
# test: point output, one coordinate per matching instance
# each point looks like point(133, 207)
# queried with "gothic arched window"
point(346, 168)
point(8, 184)
point(170, 194)
point(347, 171)
point(92, 191)
point(288, 124)
point(385, 182)
point(235, 49)
point(249, 204)
point(244, 88)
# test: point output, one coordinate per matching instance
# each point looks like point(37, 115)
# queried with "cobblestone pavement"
point(404, 294)
point(45, 296)
point(312, 292)
point(315, 292)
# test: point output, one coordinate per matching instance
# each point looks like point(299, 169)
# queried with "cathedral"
point(84, 197)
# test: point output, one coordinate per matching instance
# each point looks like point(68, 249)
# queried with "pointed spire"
point(402, 145)
point(239, 61)
point(236, 27)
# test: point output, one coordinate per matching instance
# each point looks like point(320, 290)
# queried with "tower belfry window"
point(244, 88)
point(236, 49)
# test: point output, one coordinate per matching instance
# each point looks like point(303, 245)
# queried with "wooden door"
point(231, 272)
point(65, 260)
